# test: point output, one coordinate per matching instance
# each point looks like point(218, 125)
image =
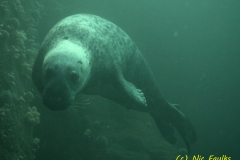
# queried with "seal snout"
point(55, 99)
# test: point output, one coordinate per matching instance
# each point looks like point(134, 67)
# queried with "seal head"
point(64, 74)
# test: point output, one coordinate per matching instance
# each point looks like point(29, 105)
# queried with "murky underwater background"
point(193, 49)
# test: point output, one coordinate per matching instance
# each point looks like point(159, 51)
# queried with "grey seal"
point(89, 55)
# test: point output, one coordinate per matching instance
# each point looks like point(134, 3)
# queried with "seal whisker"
point(37, 93)
point(82, 103)
point(81, 100)
point(77, 108)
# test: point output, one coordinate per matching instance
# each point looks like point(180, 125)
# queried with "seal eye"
point(74, 76)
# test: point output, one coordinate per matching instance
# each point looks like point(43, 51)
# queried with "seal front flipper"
point(134, 97)
point(134, 93)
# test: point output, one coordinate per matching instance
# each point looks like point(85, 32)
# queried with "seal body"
point(90, 55)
